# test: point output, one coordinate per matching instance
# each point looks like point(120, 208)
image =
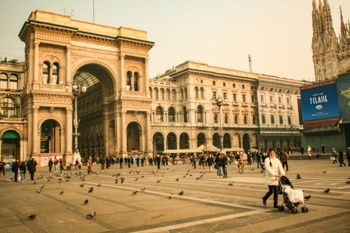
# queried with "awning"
point(10, 134)
point(200, 149)
point(235, 149)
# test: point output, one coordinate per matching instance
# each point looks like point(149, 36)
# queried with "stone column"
point(57, 141)
point(69, 142)
point(0, 147)
point(123, 135)
point(36, 140)
point(116, 133)
point(143, 138)
point(21, 151)
point(68, 78)
point(178, 143)
point(36, 62)
point(122, 76)
point(148, 134)
point(145, 80)
point(105, 131)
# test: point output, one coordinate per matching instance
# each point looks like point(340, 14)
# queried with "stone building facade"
point(123, 110)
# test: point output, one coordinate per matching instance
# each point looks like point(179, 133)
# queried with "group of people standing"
point(20, 169)
point(339, 156)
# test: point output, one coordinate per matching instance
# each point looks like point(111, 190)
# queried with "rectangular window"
point(233, 85)
point(279, 100)
point(225, 95)
point(243, 98)
point(213, 83)
point(234, 97)
point(262, 98)
point(288, 101)
point(252, 99)
point(224, 84)
point(271, 99)
point(214, 94)
point(242, 86)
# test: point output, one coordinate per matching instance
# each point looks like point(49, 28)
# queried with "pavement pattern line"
point(200, 222)
point(191, 198)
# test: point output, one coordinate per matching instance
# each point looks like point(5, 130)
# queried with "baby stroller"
point(291, 197)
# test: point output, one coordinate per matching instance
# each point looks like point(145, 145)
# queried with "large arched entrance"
point(246, 143)
point(50, 137)
point(95, 108)
point(227, 140)
point(158, 143)
point(184, 141)
point(216, 140)
point(10, 145)
point(171, 140)
point(201, 139)
point(134, 137)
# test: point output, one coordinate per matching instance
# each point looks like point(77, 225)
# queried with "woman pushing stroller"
point(273, 170)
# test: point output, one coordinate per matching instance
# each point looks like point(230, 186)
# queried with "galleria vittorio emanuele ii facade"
point(125, 111)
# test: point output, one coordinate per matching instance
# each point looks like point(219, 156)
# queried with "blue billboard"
point(320, 104)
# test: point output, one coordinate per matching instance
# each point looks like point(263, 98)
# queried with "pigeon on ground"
point(298, 176)
point(142, 176)
point(158, 181)
point(188, 170)
point(184, 177)
point(82, 185)
point(61, 192)
point(190, 174)
point(173, 170)
point(177, 179)
point(324, 171)
point(116, 181)
point(39, 191)
point(86, 201)
point(135, 192)
point(198, 178)
point(60, 181)
point(307, 197)
point(252, 169)
point(327, 190)
point(113, 175)
point(67, 180)
point(171, 196)
point(34, 182)
point(136, 179)
point(83, 179)
point(181, 193)
point(167, 169)
point(31, 217)
point(143, 189)
point(48, 180)
point(99, 185)
point(348, 182)
point(92, 215)
point(91, 190)
point(230, 183)
point(122, 181)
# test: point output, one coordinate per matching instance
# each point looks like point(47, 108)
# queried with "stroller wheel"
point(296, 211)
point(303, 209)
point(281, 208)
point(306, 209)
point(292, 210)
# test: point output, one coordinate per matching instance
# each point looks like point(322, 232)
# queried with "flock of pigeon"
point(118, 177)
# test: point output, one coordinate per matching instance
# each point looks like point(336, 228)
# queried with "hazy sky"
point(276, 33)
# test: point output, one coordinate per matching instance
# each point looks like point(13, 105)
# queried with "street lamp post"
point(219, 102)
point(77, 89)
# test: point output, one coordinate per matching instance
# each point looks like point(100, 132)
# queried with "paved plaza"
point(207, 205)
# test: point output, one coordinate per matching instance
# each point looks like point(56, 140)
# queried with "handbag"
point(332, 158)
point(216, 166)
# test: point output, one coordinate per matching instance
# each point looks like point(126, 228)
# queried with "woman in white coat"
point(274, 170)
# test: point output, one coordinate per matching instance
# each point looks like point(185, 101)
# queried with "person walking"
point(341, 158)
point(348, 155)
point(258, 159)
point(23, 171)
point(55, 163)
point(121, 162)
point(89, 163)
point(3, 166)
point(241, 162)
point(32, 168)
point(102, 162)
point(77, 164)
point(138, 161)
point(61, 166)
point(218, 164)
point(323, 149)
point(302, 150)
point(142, 161)
point(334, 154)
point(15, 169)
point(50, 164)
point(210, 162)
point(284, 159)
point(274, 170)
point(224, 165)
point(194, 159)
point(158, 161)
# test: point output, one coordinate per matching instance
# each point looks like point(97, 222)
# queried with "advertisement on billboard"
point(343, 86)
point(320, 104)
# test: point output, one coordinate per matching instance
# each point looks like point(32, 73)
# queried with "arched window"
point(263, 119)
point(161, 94)
point(8, 107)
point(202, 93)
point(151, 93)
point(245, 119)
point(3, 81)
point(156, 93)
point(55, 73)
point(272, 120)
point(159, 114)
point(226, 118)
point(167, 94)
point(196, 92)
point(215, 118)
point(182, 94)
point(173, 95)
point(185, 114)
point(13, 82)
point(199, 114)
point(289, 120)
point(281, 120)
point(185, 90)
point(236, 119)
point(171, 115)
point(136, 81)
point(46, 71)
point(128, 80)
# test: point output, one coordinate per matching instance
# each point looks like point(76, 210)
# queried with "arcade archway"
point(134, 137)
point(158, 143)
point(50, 137)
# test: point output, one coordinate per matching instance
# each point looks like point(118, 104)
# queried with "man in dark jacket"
point(102, 161)
point(341, 158)
point(50, 164)
point(210, 162)
point(121, 162)
point(15, 169)
point(32, 168)
point(158, 161)
point(348, 155)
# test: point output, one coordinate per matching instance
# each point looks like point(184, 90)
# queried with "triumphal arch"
point(111, 62)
